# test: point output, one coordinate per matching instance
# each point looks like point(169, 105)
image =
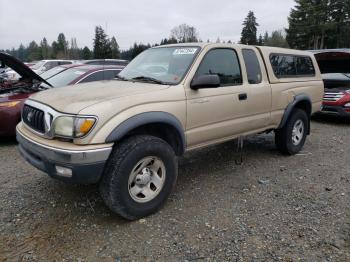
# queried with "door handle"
point(243, 96)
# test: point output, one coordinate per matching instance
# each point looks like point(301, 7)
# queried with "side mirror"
point(205, 81)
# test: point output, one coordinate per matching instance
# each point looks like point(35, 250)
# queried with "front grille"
point(34, 118)
point(332, 97)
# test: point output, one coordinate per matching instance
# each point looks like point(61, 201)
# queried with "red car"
point(335, 69)
point(14, 93)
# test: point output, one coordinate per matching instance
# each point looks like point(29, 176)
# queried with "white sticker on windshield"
point(185, 51)
point(79, 72)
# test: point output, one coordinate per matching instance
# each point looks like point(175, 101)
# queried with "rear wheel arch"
point(302, 102)
point(159, 124)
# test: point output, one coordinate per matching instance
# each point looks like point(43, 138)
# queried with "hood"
point(73, 99)
point(20, 67)
point(333, 61)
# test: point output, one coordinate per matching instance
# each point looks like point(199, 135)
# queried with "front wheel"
point(291, 138)
point(139, 176)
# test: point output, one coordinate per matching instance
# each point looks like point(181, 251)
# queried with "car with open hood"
point(335, 68)
point(14, 92)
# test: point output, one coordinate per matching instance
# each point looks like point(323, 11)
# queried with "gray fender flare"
point(147, 118)
point(297, 99)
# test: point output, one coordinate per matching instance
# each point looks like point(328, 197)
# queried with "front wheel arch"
point(159, 124)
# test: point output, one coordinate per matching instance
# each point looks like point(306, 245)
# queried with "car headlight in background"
point(73, 126)
point(9, 104)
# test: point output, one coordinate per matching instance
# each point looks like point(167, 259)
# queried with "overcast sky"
point(145, 21)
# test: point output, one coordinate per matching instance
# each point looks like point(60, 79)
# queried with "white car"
point(45, 65)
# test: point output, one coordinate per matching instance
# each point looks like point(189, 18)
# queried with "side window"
point(50, 65)
point(252, 65)
point(304, 66)
point(224, 63)
point(110, 74)
point(64, 62)
point(97, 76)
point(101, 75)
point(291, 66)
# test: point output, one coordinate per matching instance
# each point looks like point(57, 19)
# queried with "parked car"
point(116, 62)
point(8, 73)
point(335, 68)
point(45, 65)
point(126, 135)
point(56, 70)
point(13, 93)
point(76, 74)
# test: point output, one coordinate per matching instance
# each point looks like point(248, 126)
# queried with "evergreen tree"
point(102, 46)
point(260, 40)
point(319, 24)
point(277, 39)
point(340, 22)
point(86, 53)
point(115, 52)
point(44, 46)
point(22, 53)
point(34, 52)
point(62, 47)
point(249, 31)
point(55, 50)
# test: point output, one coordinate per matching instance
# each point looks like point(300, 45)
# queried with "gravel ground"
point(271, 208)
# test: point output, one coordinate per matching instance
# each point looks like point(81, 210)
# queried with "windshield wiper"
point(149, 79)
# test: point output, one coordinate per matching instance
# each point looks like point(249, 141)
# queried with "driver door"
point(213, 113)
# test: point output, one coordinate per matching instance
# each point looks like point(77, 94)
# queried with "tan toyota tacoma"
point(126, 134)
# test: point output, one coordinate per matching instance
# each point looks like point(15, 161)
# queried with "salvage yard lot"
point(270, 208)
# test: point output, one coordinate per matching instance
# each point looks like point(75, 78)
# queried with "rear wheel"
point(139, 176)
point(291, 138)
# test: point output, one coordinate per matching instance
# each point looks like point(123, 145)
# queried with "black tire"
point(283, 136)
point(114, 185)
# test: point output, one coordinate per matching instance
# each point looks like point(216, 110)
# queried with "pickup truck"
point(126, 134)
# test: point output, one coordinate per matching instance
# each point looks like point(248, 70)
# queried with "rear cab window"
point(292, 66)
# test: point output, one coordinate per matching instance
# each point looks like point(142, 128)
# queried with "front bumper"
point(86, 165)
point(335, 110)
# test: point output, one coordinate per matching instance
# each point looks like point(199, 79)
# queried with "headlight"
point(74, 127)
point(9, 104)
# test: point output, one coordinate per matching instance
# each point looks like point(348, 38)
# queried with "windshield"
point(53, 71)
point(66, 77)
point(38, 65)
point(167, 65)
